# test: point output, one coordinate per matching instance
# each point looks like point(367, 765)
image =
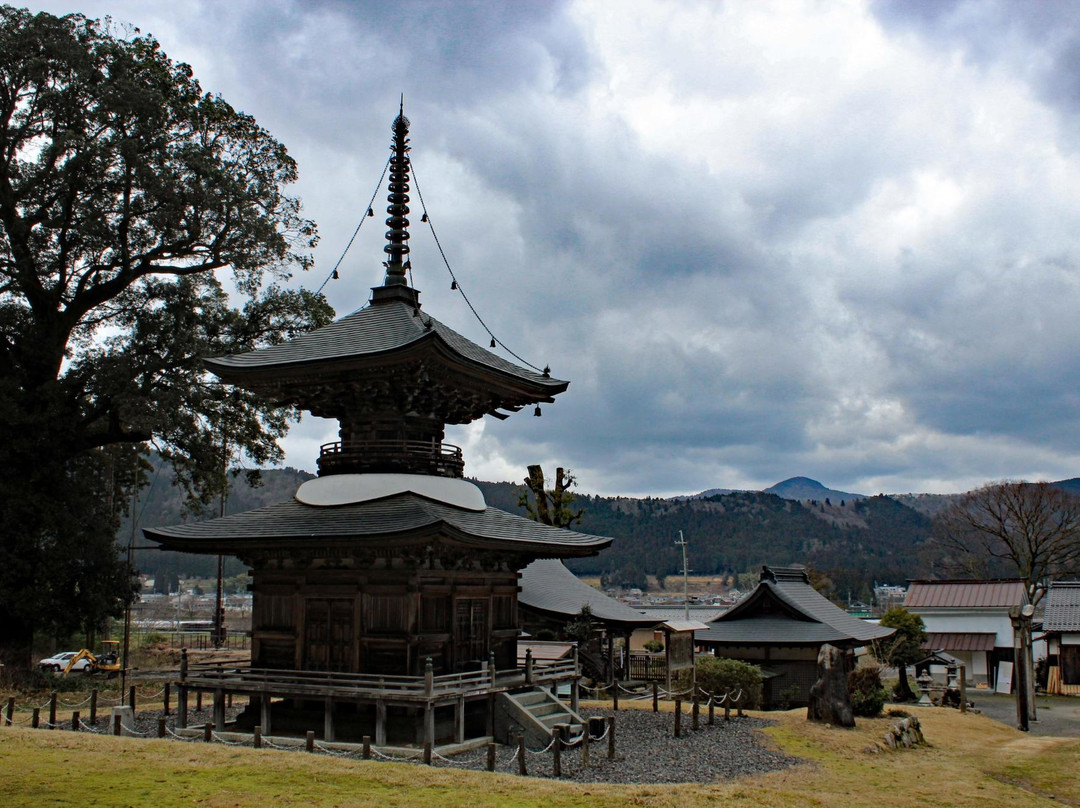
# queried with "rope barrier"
point(397, 758)
point(267, 742)
point(63, 703)
point(221, 739)
point(545, 749)
point(179, 737)
point(333, 752)
point(133, 731)
point(90, 728)
point(512, 758)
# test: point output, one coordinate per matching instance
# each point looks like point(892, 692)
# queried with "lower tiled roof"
point(1062, 607)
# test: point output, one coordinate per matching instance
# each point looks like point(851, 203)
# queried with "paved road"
point(1058, 715)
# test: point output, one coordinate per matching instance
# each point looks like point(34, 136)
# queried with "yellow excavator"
point(108, 661)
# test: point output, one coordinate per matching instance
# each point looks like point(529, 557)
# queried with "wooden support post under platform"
point(328, 719)
point(615, 695)
point(459, 723)
point(265, 708)
point(219, 710)
point(380, 723)
point(575, 695)
point(182, 706)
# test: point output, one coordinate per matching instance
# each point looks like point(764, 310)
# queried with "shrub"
point(717, 675)
point(866, 691)
point(653, 646)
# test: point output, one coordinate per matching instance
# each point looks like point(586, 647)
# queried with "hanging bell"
point(424, 218)
point(453, 285)
point(370, 212)
point(536, 412)
point(493, 342)
point(335, 275)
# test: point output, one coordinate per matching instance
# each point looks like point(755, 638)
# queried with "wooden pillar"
point(328, 719)
point(427, 753)
point(655, 697)
point(962, 672)
point(131, 699)
point(365, 748)
point(429, 724)
point(712, 710)
point(52, 710)
point(694, 712)
point(208, 732)
point(528, 666)
point(309, 741)
point(35, 719)
point(219, 710)
point(575, 695)
point(256, 737)
point(556, 751)
point(678, 717)
point(429, 677)
point(615, 695)
point(161, 727)
point(198, 701)
point(491, 756)
point(459, 720)
point(167, 699)
point(182, 707)
point(75, 721)
point(490, 729)
point(117, 726)
point(380, 723)
point(265, 708)
point(611, 656)
point(611, 737)
point(522, 768)
point(93, 707)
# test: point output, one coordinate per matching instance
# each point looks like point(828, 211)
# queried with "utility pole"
point(685, 571)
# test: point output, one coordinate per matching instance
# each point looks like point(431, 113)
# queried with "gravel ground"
point(646, 750)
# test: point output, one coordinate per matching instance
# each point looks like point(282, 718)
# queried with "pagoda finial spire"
point(397, 237)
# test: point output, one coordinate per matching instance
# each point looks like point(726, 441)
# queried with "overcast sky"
point(832, 239)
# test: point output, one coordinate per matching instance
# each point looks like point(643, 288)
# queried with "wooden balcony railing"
point(392, 456)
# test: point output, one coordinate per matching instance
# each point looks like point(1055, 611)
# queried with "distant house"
point(1062, 631)
point(968, 620)
point(781, 625)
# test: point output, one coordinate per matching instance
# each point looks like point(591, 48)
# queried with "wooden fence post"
point(678, 717)
point(611, 737)
point(35, 720)
point(556, 751)
point(522, 769)
point(207, 732)
point(585, 744)
point(427, 753)
point(52, 710)
point(117, 726)
point(694, 712)
point(615, 695)
point(491, 757)
point(309, 741)
point(366, 753)
point(256, 737)
point(10, 712)
point(131, 699)
point(75, 721)
point(161, 727)
point(712, 710)
point(168, 693)
point(655, 697)
point(962, 673)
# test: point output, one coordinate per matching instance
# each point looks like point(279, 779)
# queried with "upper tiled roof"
point(548, 586)
point(965, 594)
point(1062, 607)
point(785, 610)
point(372, 522)
point(372, 331)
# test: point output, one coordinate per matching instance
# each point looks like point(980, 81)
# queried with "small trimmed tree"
point(719, 675)
point(903, 648)
point(866, 691)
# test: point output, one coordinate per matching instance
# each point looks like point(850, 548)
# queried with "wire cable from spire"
point(457, 284)
point(334, 272)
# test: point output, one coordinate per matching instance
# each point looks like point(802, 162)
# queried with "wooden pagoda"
point(385, 594)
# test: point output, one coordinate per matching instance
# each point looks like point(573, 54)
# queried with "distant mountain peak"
point(804, 488)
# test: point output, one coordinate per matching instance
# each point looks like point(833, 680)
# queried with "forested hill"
point(855, 543)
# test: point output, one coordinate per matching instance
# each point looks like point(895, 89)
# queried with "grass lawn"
point(970, 761)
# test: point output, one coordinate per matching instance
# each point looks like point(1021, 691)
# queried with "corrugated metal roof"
point(373, 330)
point(548, 586)
point(1062, 607)
point(961, 594)
point(370, 522)
point(959, 641)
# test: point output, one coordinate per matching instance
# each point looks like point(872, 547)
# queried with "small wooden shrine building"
point(385, 594)
point(780, 626)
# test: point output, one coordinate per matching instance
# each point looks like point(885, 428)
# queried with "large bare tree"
point(1031, 530)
